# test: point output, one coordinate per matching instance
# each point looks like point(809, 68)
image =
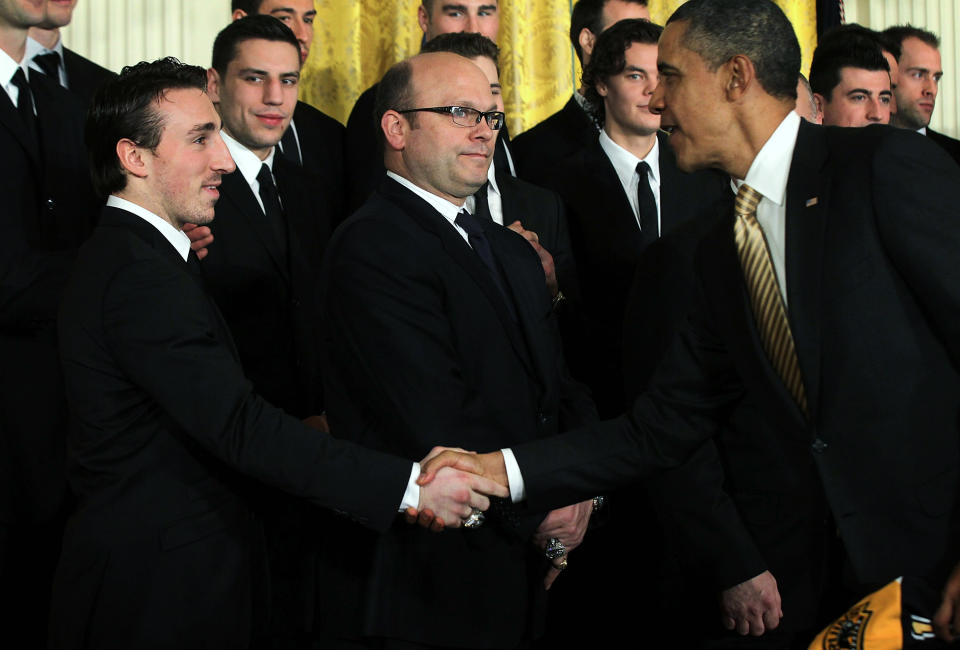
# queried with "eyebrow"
point(243, 71)
point(291, 10)
point(634, 68)
point(204, 128)
point(864, 91)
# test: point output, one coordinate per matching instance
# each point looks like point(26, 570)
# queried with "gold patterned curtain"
point(357, 40)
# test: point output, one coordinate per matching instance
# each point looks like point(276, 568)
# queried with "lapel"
point(297, 213)
point(577, 124)
point(236, 190)
point(10, 120)
point(611, 211)
point(805, 232)
point(461, 253)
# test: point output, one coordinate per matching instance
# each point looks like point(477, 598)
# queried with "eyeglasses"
point(465, 116)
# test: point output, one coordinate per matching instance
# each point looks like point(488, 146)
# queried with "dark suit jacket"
point(950, 145)
point(537, 150)
point(873, 300)
point(422, 350)
point(162, 551)
point(269, 298)
point(607, 246)
point(84, 76)
point(48, 203)
point(322, 148)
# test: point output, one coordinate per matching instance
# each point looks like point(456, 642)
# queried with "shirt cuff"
point(411, 497)
point(518, 491)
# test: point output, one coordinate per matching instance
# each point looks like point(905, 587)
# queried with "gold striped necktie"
point(769, 311)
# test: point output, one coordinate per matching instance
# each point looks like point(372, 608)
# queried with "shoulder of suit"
point(306, 115)
point(89, 67)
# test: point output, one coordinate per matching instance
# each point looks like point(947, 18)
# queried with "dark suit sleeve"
point(922, 236)
point(163, 333)
point(691, 393)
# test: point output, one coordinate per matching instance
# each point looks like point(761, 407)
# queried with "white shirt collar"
point(922, 130)
point(247, 162)
point(35, 47)
point(446, 208)
point(625, 163)
point(8, 68)
point(177, 238)
point(770, 170)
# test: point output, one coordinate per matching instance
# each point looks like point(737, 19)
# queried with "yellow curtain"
point(355, 41)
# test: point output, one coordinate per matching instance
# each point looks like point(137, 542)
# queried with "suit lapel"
point(670, 194)
point(807, 208)
point(461, 253)
point(10, 120)
point(613, 207)
point(236, 190)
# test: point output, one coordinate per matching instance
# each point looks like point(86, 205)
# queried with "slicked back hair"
point(589, 14)
point(126, 108)
point(465, 44)
point(609, 56)
point(844, 48)
point(718, 30)
point(251, 7)
point(248, 28)
point(899, 33)
point(394, 92)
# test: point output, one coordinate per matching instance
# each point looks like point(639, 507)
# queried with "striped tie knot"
point(747, 201)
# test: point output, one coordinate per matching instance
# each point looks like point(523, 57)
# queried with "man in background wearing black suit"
point(615, 212)
point(315, 141)
point(829, 295)
point(438, 330)
point(573, 127)
point(272, 224)
point(851, 78)
point(918, 82)
point(46, 54)
point(435, 17)
point(48, 209)
point(162, 551)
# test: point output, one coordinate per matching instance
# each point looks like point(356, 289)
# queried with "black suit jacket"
point(422, 350)
point(48, 203)
point(321, 148)
point(873, 298)
point(84, 76)
point(607, 247)
point(162, 551)
point(268, 295)
point(539, 149)
point(950, 145)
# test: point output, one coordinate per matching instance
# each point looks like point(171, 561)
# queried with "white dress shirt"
point(249, 164)
point(625, 164)
point(8, 68)
point(768, 175)
point(35, 48)
point(494, 198)
point(177, 238)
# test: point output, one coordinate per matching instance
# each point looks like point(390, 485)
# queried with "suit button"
point(543, 418)
point(51, 204)
point(819, 446)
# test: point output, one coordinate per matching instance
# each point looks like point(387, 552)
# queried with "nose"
point(222, 162)
point(930, 86)
point(272, 92)
point(473, 25)
point(658, 102)
point(874, 111)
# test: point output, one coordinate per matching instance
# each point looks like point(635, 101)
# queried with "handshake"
point(455, 486)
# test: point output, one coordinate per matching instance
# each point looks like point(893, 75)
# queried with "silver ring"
point(560, 566)
point(475, 520)
point(554, 549)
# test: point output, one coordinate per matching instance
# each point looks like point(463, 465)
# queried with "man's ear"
point(820, 101)
point(422, 18)
point(601, 88)
point(131, 158)
point(394, 129)
point(213, 85)
point(238, 14)
point(741, 75)
point(586, 40)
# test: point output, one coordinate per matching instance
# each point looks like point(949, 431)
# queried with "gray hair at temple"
point(718, 30)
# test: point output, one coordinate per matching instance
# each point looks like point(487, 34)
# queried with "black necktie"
point(481, 207)
point(481, 246)
point(25, 103)
point(272, 208)
point(649, 230)
point(50, 64)
point(288, 146)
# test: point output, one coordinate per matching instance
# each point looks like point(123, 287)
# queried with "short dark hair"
point(251, 7)
point(718, 30)
point(249, 28)
point(589, 14)
point(125, 107)
point(899, 33)
point(465, 44)
point(609, 56)
point(844, 47)
point(394, 92)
